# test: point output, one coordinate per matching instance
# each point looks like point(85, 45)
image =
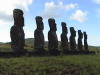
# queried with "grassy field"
point(51, 65)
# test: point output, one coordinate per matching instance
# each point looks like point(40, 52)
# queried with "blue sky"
point(81, 14)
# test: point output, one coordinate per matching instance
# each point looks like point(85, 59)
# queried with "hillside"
point(29, 45)
point(29, 41)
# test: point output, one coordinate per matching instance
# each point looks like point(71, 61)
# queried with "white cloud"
point(54, 11)
point(70, 6)
point(29, 34)
point(79, 16)
point(7, 6)
point(96, 1)
point(5, 36)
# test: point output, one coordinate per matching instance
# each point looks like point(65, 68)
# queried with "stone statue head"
point(85, 35)
point(80, 34)
point(18, 17)
point(39, 22)
point(73, 32)
point(52, 24)
point(64, 28)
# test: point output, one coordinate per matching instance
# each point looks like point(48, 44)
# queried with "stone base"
point(79, 52)
point(23, 50)
point(54, 52)
point(45, 53)
point(38, 52)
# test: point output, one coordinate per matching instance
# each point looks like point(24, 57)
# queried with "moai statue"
point(52, 36)
point(80, 36)
point(72, 39)
point(85, 42)
point(38, 35)
point(64, 39)
point(17, 33)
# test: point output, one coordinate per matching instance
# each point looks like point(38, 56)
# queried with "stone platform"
point(46, 53)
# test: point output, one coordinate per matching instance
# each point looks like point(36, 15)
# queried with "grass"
point(51, 65)
point(7, 48)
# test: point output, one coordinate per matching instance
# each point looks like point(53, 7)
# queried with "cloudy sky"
point(81, 14)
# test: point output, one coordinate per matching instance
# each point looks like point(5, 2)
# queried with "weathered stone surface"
point(38, 35)
point(52, 36)
point(17, 32)
point(85, 42)
point(64, 39)
point(72, 39)
point(80, 36)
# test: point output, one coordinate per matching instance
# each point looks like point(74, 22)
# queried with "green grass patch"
point(51, 65)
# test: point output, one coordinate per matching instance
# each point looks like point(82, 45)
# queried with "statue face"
point(52, 24)
point(64, 28)
point(39, 19)
point(55, 28)
point(80, 34)
point(18, 18)
point(85, 35)
point(73, 32)
point(39, 23)
point(21, 21)
point(17, 14)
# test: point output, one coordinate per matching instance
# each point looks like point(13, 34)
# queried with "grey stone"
point(80, 36)
point(72, 39)
point(52, 36)
point(38, 35)
point(85, 42)
point(17, 33)
point(64, 39)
